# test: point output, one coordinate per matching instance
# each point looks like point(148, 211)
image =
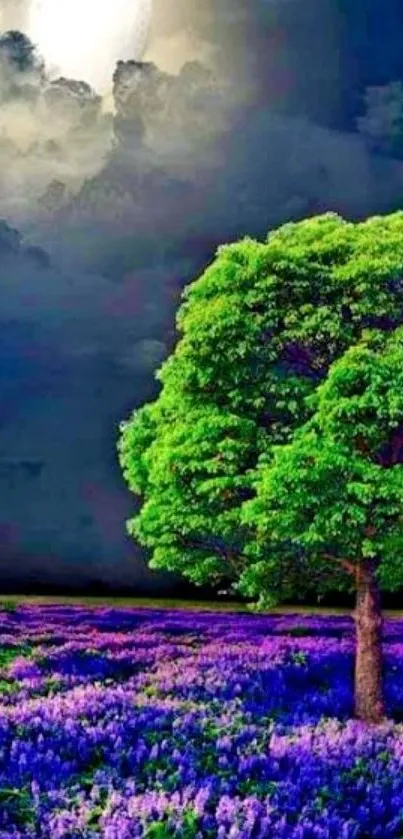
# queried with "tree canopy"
point(330, 501)
point(266, 461)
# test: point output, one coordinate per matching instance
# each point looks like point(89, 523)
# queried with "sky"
point(236, 117)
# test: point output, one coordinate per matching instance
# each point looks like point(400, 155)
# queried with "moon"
point(84, 39)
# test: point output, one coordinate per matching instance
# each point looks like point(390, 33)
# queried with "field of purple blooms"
point(122, 723)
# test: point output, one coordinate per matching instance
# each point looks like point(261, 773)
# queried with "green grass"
point(10, 602)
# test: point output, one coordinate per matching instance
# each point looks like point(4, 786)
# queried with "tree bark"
point(369, 696)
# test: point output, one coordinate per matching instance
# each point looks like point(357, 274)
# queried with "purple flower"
point(193, 724)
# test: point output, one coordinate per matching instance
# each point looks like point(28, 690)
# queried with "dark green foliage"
point(266, 460)
point(299, 632)
point(8, 687)
point(162, 830)
point(9, 606)
point(18, 804)
point(8, 654)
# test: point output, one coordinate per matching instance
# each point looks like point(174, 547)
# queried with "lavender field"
point(122, 723)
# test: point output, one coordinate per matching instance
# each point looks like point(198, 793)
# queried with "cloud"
point(13, 14)
point(56, 133)
point(65, 384)
point(49, 130)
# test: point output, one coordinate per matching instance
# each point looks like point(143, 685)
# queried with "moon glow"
point(83, 39)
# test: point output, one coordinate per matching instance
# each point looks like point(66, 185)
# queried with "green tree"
point(333, 498)
point(249, 465)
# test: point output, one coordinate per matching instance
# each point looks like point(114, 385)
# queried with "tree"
point(334, 496)
point(267, 336)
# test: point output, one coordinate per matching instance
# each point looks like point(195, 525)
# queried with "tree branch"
point(392, 452)
point(229, 555)
point(302, 360)
point(348, 566)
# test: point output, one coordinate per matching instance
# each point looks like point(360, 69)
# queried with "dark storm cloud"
point(242, 126)
point(62, 390)
point(216, 33)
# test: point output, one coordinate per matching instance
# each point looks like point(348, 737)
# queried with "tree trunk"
point(369, 698)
